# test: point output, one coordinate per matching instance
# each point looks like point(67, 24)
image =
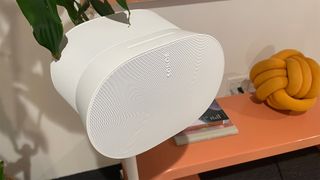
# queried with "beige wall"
point(41, 136)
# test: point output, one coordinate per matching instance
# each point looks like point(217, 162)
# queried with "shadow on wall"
point(265, 53)
point(143, 4)
point(27, 97)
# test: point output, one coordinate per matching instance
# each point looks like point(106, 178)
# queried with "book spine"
point(190, 138)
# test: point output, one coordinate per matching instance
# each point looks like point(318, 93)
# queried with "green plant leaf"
point(83, 8)
point(124, 5)
point(46, 23)
point(1, 170)
point(72, 11)
point(85, 5)
point(102, 8)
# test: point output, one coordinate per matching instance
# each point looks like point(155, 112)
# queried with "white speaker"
point(134, 86)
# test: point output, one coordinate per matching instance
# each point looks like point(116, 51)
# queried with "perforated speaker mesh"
point(154, 95)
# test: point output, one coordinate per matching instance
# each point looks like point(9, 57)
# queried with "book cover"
point(212, 124)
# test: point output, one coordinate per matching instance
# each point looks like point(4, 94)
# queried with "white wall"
point(251, 30)
point(41, 136)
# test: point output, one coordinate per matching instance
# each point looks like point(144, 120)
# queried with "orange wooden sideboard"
point(263, 132)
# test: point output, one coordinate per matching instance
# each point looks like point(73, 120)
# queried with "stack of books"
point(212, 124)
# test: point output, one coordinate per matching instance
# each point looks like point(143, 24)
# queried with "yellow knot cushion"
point(287, 81)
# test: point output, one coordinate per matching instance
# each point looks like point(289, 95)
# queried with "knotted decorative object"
point(287, 81)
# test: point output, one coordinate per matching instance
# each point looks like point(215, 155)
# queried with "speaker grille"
point(154, 95)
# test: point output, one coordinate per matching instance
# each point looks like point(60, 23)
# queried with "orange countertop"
point(263, 132)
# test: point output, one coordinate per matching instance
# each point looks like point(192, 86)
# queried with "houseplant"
point(47, 26)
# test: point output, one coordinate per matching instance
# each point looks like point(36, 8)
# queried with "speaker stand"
point(130, 168)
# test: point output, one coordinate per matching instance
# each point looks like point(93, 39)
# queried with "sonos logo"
point(168, 64)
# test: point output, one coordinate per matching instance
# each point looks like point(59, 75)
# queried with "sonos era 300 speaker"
point(137, 85)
